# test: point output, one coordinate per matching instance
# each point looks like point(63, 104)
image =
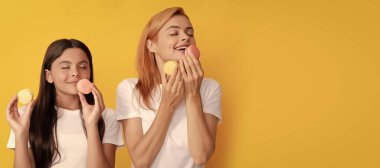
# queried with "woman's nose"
point(185, 37)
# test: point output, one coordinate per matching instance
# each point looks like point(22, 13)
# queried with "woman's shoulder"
point(127, 83)
point(108, 113)
point(209, 82)
point(209, 87)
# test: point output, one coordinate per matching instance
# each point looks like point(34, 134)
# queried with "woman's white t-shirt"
point(175, 152)
point(72, 141)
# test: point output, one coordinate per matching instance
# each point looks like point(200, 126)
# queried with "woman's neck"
point(160, 64)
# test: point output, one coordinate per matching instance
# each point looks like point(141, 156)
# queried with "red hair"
point(148, 74)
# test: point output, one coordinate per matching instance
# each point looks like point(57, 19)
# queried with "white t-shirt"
point(72, 141)
point(175, 152)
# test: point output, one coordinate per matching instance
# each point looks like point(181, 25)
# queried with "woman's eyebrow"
point(177, 27)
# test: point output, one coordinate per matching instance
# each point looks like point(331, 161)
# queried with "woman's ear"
point(151, 46)
point(48, 76)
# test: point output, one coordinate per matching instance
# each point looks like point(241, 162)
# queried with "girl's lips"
point(72, 83)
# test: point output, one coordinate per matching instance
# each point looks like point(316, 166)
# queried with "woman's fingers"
point(193, 69)
point(180, 86)
point(163, 79)
point(197, 65)
point(172, 78)
point(183, 70)
point(178, 78)
point(187, 67)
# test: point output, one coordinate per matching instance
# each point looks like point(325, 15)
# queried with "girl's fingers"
point(82, 99)
point(11, 106)
point(96, 98)
point(100, 96)
point(29, 109)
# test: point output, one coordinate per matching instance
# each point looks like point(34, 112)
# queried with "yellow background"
point(300, 79)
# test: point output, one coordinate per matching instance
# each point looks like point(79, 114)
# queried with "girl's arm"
point(96, 151)
point(23, 157)
point(144, 148)
point(201, 127)
point(99, 155)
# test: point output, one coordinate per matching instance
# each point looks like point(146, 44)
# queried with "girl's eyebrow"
point(84, 61)
point(69, 62)
point(64, 62)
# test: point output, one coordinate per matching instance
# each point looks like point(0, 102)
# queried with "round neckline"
point(67, 111)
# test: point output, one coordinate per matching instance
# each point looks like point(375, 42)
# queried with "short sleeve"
point(125, 107)
point(11, 141)
point(12, 138)
point(113, 133)
point(211, 98)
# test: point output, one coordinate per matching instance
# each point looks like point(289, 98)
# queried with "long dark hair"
point(43, 121)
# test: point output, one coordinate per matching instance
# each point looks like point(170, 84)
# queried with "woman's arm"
point(201, 130)
point(144, 148)
point(201, 127)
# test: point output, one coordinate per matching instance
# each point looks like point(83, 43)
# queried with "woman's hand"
point(92, 113)
point(192, 74)
point(172, 89)
point(19, 123)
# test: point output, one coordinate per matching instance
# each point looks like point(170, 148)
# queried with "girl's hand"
point(19, 123)
point(192, 74)
point(172, 89)
point(92, 113)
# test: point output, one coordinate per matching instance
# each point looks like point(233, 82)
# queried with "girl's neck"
point(69, 102)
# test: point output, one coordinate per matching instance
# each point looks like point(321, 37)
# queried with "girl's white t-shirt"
point(72, 141)
point(175, 152)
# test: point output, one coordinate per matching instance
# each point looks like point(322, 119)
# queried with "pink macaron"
point(193, 50)
point(84, 86)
